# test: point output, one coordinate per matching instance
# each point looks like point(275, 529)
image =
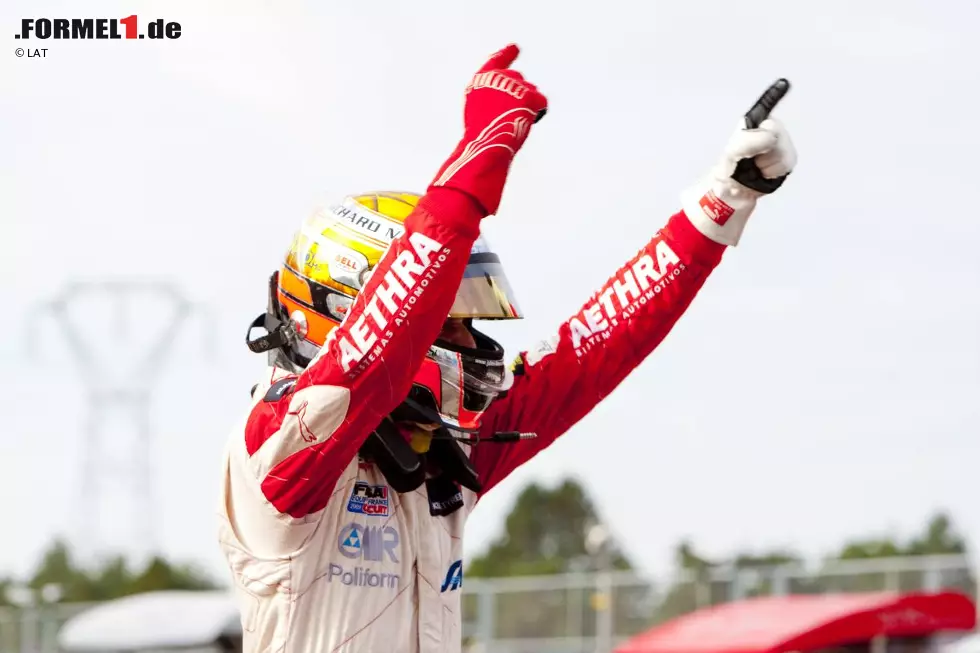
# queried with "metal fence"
point(589, 612)
point(35, 629)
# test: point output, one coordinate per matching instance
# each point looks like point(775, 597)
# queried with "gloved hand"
point(500, 108)
point(756, 161)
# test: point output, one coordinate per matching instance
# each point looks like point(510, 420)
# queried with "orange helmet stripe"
point(295, 285)
point(319, 326)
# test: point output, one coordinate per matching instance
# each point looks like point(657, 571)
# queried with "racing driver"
point(385, 414)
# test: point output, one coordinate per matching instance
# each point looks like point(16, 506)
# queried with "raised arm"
point(299, 441)
point(561, 380)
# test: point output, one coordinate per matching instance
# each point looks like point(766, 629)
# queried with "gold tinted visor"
point(485, 292)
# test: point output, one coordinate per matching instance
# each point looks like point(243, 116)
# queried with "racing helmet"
point(331, 258)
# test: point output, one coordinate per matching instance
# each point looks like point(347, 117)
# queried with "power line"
point(119, 375)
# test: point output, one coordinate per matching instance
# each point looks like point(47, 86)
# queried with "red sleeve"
point(562, 380)
point(299, 443)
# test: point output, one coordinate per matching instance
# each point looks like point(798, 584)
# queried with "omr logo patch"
point(370, 543)
point(367, 499)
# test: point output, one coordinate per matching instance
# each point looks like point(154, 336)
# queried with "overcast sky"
point(826, 382)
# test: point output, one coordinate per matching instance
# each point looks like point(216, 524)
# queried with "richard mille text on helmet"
point(385, 413)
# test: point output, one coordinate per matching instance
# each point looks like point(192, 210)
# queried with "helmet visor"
point(485, 293)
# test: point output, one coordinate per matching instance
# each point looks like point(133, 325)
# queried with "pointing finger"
point(501, 59)
point(766, 103)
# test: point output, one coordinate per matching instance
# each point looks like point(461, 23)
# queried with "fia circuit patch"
point(367, 499)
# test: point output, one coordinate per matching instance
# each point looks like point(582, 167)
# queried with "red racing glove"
point(500, 108)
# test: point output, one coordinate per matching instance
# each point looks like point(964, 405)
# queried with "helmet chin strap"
point(281, 334)
point(432, 457)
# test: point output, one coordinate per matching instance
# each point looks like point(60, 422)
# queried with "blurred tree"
point(112, 579)
point(701, 582)
point(868, 548)
point(544, 533)
point(687, 559)
point(765, 560)
point(162, 575)
point(4, 584)
point(58, 568)
point(757, 573)
point(939, 537)
point(688, 590)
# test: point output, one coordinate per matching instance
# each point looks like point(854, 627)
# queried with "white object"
point(52, 593)
point(20, 596)
point(596, 539)
point(154, 620)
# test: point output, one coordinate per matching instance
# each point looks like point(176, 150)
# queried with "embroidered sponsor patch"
point(445, 497)
point(280, 389)
point(368, 543)
point(715, 208)
point(454, 577)
point(366, 499)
